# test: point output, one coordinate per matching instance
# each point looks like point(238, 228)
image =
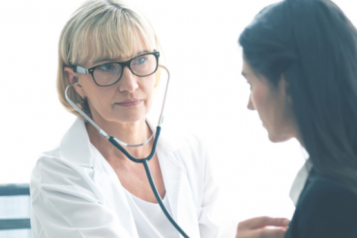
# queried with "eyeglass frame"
point(81, 70)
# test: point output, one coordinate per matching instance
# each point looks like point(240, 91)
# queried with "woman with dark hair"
point(300, 59)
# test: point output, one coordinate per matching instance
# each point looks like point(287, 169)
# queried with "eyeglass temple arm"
point(80, 70)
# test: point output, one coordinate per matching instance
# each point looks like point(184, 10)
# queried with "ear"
point(73, 78)
point(284, 89)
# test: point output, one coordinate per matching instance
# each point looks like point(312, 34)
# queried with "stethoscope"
point(119, 145)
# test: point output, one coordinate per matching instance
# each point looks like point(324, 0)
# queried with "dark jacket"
point(326, 209)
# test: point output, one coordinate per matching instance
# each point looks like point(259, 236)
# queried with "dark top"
point(326, 209)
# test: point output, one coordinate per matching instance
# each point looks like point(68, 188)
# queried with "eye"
point(140, 60)
point(106, 67)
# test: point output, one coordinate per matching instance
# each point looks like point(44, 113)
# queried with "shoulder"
point(326, 209)
point(52, 161)
point(48, 160)
point(321, 193)
point(52, 172)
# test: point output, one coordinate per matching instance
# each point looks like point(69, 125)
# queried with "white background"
point(207, 96)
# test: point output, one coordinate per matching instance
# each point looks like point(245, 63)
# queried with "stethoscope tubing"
point(158, 199)
point(119, 145)
point(151, 181)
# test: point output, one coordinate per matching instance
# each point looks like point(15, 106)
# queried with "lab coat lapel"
point(75, 144)
point(177, 189)
point(172, 178)
point(170, 169)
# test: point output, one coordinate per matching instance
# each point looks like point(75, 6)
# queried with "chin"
point(128, 118)
point(129, 115)
point(276, 138)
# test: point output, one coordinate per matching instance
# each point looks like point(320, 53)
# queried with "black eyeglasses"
point(109, 73)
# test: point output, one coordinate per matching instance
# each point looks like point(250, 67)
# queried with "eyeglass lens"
point(110, 72)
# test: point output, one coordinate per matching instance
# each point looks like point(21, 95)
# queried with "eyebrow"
point(111, 59)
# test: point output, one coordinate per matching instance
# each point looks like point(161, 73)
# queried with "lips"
point(130, 102)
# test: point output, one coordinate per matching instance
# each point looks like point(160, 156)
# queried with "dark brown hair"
point(314, 45)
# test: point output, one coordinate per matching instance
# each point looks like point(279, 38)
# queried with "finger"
point(272, 233)
point(262, 233)
point(260, 222)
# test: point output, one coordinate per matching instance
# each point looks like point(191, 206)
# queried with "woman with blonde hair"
point(109, 58)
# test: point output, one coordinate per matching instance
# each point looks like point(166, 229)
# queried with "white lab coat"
point(76, 193)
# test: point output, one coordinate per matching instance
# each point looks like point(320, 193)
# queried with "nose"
point(250, 105)
point(128, 81)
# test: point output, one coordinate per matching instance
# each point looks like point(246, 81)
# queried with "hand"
point(256, 228)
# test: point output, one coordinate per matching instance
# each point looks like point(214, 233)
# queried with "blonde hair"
point(101, 29)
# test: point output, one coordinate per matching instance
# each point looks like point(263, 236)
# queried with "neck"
point(131, 133)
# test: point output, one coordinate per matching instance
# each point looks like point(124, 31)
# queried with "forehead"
point(107, 39)
point(119, 58)
point(94, 51)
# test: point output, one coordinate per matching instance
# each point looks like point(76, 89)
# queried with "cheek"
point(264, 104)
point(100, 98)
point(91, 90)
point(147, 87)
point(258, 98)
point(100, 95)
point(86, 82)
point(146, 91)
point(271, 112)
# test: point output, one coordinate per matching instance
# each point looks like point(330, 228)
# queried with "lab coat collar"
point(300, 181)
point(75, 145)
